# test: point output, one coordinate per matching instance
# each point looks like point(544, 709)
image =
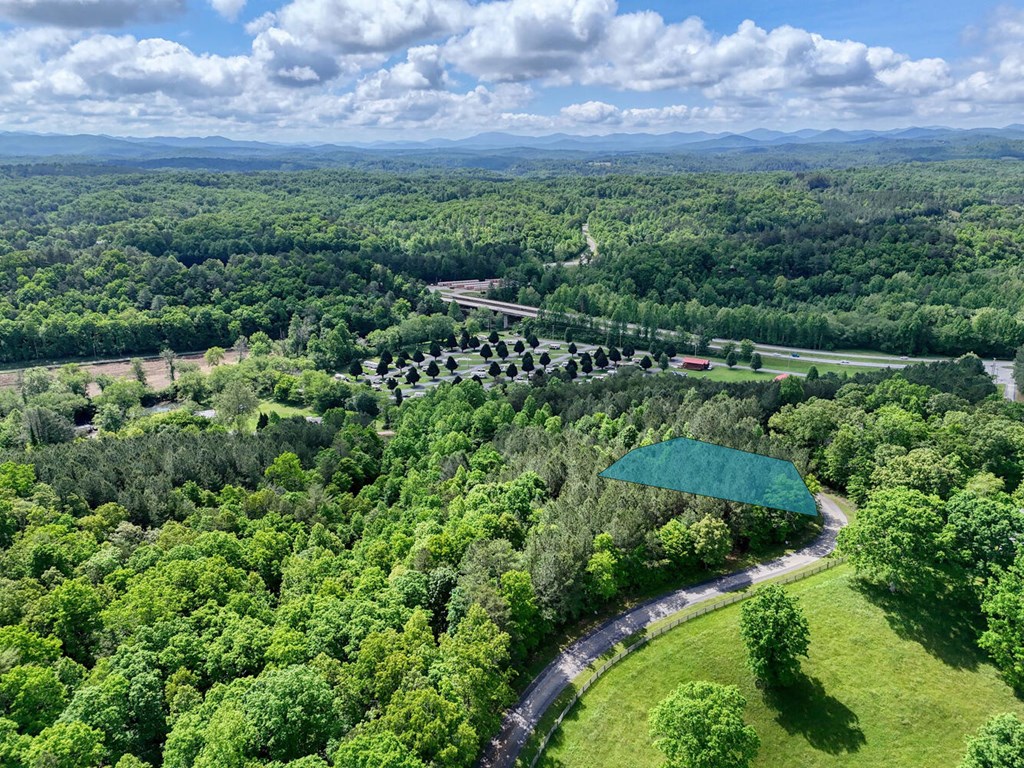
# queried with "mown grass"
point(889, 682)
point(284, 411)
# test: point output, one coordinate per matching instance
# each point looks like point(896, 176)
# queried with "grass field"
point(889, 682)
point(284, 411)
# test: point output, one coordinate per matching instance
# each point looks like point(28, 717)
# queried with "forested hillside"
point(909, 259)
point(179, 593)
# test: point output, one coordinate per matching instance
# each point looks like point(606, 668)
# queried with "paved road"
point(523, 717)
point(1001, 370)
point(588, 255)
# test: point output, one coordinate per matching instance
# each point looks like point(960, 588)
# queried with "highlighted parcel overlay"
point(705, 469)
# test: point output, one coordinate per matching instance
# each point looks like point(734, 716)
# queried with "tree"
point(586, 364)
point(600, 359)
point(645, 363)
point(433, 370)
point(66, 745)
point(791, 390)
point(493, 337)
point(999, 743)
point(170, 359)
point(519, 347)
point(451, 364)
point(1004, 609)
point(286, 473)
point(486, 353)
point(355, 369)
point(572, 349)
point(511, 371)
point(755, 362)
point(711, 541)
point(412, 377)
point(379, 749)
point(71, 611)
point(138, 370)
point(775, 632)
point(571, 368)
point(528, 365)
point(895, 538)
point(533, 341)
point(214, 356)
point(291, 711)
point(746, 349)
point(236, 403)
point(663, 361)
point(502, 350)
point(435, 349)
point(382, 368)
point(31, 696)
point(812, 373)
point(494, 370)
point(260, 344)
point(241, 348)
point(398, 395)
point(730, 358)
point(726, 348)
point(545, 359)
point(677, 543)
point(700, 725)
point(417, 356)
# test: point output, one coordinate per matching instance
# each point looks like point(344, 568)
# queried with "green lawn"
point(889, 682)
point(284, 411)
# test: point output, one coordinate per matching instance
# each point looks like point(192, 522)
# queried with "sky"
point(365, 70)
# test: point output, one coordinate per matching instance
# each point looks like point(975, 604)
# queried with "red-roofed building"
point(696, 364)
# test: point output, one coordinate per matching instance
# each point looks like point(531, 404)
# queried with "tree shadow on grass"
point(945, 624)
point(805, 708)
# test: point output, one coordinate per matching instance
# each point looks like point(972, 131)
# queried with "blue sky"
point(383, 69)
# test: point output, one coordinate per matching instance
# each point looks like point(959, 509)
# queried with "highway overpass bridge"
point(1001, 370)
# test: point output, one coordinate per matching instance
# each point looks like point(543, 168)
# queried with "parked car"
point(794, 354)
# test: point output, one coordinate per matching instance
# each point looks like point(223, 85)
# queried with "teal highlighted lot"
point(707, 469)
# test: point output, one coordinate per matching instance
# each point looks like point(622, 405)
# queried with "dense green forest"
point(182, 592)
point(912, 258)
point(367, 583)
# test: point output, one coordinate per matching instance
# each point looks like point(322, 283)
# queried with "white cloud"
point(454, 66)
point(89, 13)
point(528, 39)
point(229, 9)
point(591, 112)
point(334, 38)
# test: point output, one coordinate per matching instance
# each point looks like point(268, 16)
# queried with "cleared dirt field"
point(157, 376)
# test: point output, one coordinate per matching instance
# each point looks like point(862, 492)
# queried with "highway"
point(1001, 370)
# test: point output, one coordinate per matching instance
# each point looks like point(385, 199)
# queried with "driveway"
point(523, 717)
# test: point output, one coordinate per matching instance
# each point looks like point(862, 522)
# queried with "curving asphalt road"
point(520, 721)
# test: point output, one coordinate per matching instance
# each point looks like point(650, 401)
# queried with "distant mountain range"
point(502, 151)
